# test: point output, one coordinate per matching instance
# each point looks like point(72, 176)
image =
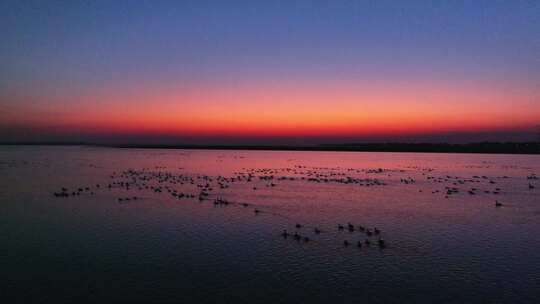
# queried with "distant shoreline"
point(480, 147)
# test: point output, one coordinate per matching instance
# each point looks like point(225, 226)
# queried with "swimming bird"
point(498, 204)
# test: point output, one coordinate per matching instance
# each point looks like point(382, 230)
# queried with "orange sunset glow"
point(357, 84)
point(289, 111)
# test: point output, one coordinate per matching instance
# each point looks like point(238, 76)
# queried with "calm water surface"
point(440, 247)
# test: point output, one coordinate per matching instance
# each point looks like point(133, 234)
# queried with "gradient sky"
point(253, 72)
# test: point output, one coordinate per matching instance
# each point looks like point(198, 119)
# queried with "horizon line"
point(482, 147)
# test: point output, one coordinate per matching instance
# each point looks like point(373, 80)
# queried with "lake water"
point(444, 238)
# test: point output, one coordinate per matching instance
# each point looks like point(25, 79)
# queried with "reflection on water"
point(95, 224)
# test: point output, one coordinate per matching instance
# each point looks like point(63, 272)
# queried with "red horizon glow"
point(338, 71)
point(284, 111)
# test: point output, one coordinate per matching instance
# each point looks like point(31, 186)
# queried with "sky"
point(269, 72)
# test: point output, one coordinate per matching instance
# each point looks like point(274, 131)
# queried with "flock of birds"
point(350, 227)
point(204, 188)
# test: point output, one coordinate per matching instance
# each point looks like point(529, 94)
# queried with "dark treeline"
point(480, 147)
